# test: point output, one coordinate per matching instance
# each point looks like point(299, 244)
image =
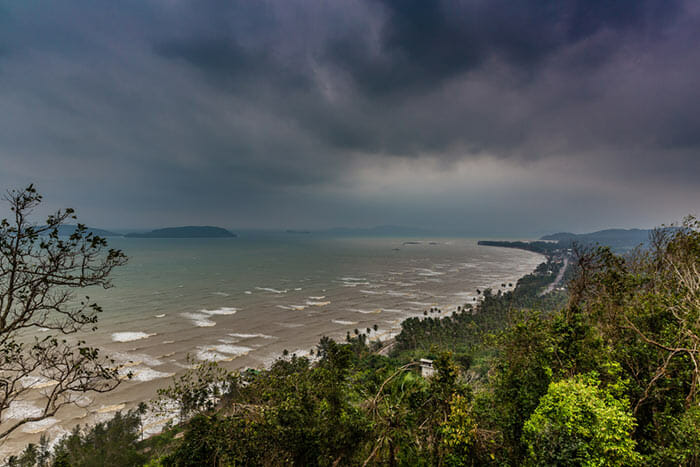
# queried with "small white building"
point(426, 368)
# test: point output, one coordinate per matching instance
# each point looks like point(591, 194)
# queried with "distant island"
point(66, 230)
point(191, 231)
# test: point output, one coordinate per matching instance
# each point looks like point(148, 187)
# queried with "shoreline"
point(131, 394)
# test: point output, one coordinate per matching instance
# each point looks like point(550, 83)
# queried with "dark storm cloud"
point(476, 49)
point(279, 113)
point(426, 42)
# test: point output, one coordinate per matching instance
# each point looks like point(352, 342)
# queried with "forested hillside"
point(604, 375)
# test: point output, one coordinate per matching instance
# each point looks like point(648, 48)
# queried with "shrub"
point(579, 423)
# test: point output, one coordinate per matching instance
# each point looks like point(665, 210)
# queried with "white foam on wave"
point(290, 325)
point(392, 310)
point(39, 426)
point(317, 297)
point(223, 311)
point(370, 292)
point(366, 312)
point(315, 303)
point(292, 307)
point(129, 336)
point(207, 354)
point(301, 353)
point(37, 382)
point(270, 289)
point(199, 319)
point(236, 350)
point(162, 315)
point(355, 284)
point(248, 292)
point(155, 420)
point(241, 335)
point(353, 279)
point(110, 408)
point(129, 359)
point(143, 374)
point(21, 409)
point(297, 288)
point(428, 272)
point(221, 294)
point(344, 322)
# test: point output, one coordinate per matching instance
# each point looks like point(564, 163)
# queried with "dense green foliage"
point(109, 443)
point(608, 378)
point(463, 331)
point(578, 423)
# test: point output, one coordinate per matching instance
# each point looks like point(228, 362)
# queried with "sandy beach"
point(158, 314)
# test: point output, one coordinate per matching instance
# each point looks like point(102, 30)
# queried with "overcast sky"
point(479, 116)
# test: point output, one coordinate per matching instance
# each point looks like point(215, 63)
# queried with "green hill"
point(617, 239)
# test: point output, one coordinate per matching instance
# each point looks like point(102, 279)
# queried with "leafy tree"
point(39, 274)
point(683, 444)
point(459, 433)
point(33, 455)
point(215, 440)
point(646, 308)
point(199, 389)
point(110, 443)
point(579, 423)
point(395, 418)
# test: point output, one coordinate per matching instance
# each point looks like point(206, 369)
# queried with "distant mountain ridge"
point(619, 240)
point(614, 238)
point(190, 231)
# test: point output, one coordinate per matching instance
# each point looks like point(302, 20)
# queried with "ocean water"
point(268, 292)
point(242, 301)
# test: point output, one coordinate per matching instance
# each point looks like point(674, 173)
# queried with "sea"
point(242, 301)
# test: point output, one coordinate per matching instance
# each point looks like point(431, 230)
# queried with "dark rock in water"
point(185, 232)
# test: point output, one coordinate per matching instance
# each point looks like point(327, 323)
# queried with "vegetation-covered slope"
point(609, 377)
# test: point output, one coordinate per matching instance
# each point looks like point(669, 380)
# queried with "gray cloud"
point(282, 113)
